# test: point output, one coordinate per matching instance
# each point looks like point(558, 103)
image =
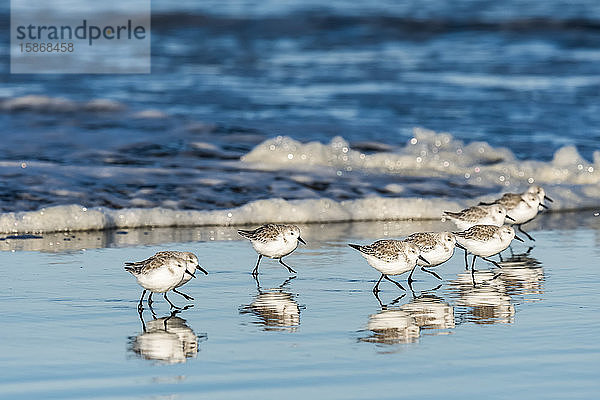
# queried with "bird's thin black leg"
point(376, 288)
point(473, 269)
point(187, 297)
point(525, 233)
point(410, 279)
point(466, 261)
point(140, 306)
point(394, 282)
point(169, 301)
point(255, 270)
point(431, 272)
point(287, 266)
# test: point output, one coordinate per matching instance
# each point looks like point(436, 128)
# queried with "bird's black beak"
point(509, 217)
point(519, 239)
point(189, 273)
point(460, 246)
point(549, 199)
point(544, 206)
point(423, 259)
point(301, 240)
point(198, 267)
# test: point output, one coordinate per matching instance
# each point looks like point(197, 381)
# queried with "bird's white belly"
point(275, 248)
point(483, 249)
point(521, 214)
point(161, 280)
point(389, 268)
point(438, 255)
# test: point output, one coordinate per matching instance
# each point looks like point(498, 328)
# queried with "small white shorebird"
point(490, 214)
point(273, 241)
point(390, 257)
point(493, 214)
point(191, 268)
point(540, 193)
point(523, 207)
point(164, 271)
point(486, 240)
point(436, 247)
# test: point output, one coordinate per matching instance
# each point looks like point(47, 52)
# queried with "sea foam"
point(568, 178)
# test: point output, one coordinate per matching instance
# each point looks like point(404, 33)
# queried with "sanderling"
point(493, 214)
point(540, 193)
point(523, 207)
point(273, 241)
point(390, 257)
point(187, 277)
point(486, 240)
point(162, 272)
point(437, 247)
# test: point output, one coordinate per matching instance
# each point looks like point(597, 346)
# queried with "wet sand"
point(72, 330)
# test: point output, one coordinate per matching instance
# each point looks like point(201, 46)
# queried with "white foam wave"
point(432, 154)
point(569, 179)
point(78, 218)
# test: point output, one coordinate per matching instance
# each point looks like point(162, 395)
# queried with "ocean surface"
point(71, 329)
point(356, 120)
point(410, 106)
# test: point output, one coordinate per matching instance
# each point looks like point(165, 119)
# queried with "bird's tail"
point(451, 214)
point(356, 246)
point(246, 234)
point(132, 270)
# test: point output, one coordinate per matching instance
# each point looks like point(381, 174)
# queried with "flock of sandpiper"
point(483, 233)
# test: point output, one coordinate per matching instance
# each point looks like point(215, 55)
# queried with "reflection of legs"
point(410, 279)
point(431, 272)
point(394, 282)
point(255, 270)
point(397, 299)
point(287, 266)
point(376, 288)
point(288, 280)
point(525, 233)
point(187, 297)
point(169, 301)
point(140, 311)
point(140, 307)
point(383, 306)
point(492, 261)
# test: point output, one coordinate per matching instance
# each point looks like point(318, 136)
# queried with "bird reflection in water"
point(405, 323)
point(484, 296)
point(431, 313)
point(167, 340)
point(275, 308)
point(523, 275)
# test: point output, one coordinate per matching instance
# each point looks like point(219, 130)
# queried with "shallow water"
point(72, 329)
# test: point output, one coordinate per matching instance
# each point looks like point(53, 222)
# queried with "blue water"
point(71, 328)
point(233, 74)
